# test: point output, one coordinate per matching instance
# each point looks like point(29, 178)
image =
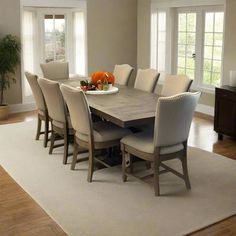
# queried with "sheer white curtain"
point(28, 46)
point(80, 43)
point(153, 61)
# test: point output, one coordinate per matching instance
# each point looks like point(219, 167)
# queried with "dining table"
point(129, 107)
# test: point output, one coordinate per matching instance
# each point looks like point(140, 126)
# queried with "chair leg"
point(91, 164)
point(52, 141)
point(38, 128)
point(148, 164)
point(46, 132)
point(185, 171)
point(124, 176)
point(131, 160)
point(66, 146)
point(156, 167)
point(75, 153)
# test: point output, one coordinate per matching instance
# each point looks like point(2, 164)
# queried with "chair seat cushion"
point(105, 131)
point(143, 142)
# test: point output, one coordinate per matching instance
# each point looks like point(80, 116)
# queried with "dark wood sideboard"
point(225, 111)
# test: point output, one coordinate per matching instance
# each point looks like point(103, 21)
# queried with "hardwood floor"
point(21, 215)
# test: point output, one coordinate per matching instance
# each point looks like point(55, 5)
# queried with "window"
point(188, 41)
point(199, 44)
point(213, 42)
point(186, 44)
point(54, 38)
point(53, 34)
point(158, 40)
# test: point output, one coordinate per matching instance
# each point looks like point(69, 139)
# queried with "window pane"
point(190, 51)
point(215, 79)
point(60, 38)
point(218, 39)
point(191, 38)
point(207, 65)
point(219, 21)
point(190, 63)
point(191, 22)
point(217, 53)
point(181, 71)
point(182, 38)
point(208, 39)
point(207, 77)
point(213, 48)
point(182, 22)
point(181, 50)
point(54, 26)
point(208, 52)
point(209, 22)
point(181, 61)
point(216, 66)
point(190, 73)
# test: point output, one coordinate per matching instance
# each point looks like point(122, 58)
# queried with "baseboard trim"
point(206, 110)
point(17, 108)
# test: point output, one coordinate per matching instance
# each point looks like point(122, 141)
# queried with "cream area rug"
point(108, 206)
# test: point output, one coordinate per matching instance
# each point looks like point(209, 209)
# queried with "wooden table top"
point(129, 107)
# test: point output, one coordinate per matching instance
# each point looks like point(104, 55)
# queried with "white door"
point(186, 43)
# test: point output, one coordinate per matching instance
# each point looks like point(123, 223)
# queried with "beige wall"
point(10, 24)
point(144, 31)
point(112, 33)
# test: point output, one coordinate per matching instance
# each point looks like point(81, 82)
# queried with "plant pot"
point(4, 112)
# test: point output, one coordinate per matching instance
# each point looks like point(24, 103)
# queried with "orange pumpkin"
point(101, 75)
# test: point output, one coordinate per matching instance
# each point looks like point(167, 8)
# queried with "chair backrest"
point(37, 92)
point(175, 84)
point(54, 99)
point(122, 73)
point(173, 118)
point(146, 80)
point(55, 70)
point(78, 108)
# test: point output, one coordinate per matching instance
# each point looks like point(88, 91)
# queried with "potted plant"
point(9, 59)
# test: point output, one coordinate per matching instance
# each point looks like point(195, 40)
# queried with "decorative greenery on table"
point(10, 49)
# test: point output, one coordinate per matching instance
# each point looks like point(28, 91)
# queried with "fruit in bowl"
point(85, 85)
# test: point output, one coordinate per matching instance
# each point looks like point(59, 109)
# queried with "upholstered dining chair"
point(175, 84)
point(55, 70)
point(92, 136)
point(169, 139)
point(146, 80)
point(122, 73)
point(41, 106)
point(60, 120)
